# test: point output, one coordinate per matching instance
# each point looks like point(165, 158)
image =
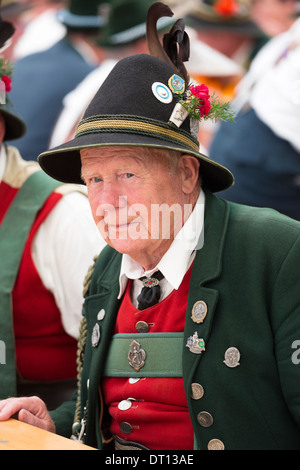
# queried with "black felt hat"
point(133, 108)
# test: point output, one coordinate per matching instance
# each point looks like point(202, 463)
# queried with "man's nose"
point(110, 199)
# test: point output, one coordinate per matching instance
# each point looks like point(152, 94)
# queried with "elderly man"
point(211, 365)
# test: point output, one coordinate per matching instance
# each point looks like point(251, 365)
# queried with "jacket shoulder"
point(106, 269)
point(263, 222)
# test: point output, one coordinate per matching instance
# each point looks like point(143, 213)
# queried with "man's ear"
point(189, 166)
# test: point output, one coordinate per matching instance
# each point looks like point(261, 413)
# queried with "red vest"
point(158, 415)
point(44, 351)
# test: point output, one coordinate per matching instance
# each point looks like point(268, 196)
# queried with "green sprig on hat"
point(6, 70)
point(201, 105)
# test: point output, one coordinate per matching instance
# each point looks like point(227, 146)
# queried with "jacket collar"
point(208, 261)
point(207, 267)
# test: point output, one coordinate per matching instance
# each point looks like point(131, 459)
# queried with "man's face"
point(137, 200)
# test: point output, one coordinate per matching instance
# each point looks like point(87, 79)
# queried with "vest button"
point(134, 380)
point(142, 327)
point(126, 428)
point(197, 391)
point(216, 444)
point(205, 419)
point(125, 405)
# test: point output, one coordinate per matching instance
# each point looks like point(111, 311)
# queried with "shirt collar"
point(174, 264)
point(3, 159)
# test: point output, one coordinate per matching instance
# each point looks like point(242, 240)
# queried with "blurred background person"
point(227, 26)
point(274, 16)
point(13, 12)
point(37, 27)
point(262, 149)
point(41, 80)
point(47, 242)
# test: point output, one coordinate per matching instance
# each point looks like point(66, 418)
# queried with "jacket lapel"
point(207, 267)
point(100, 308)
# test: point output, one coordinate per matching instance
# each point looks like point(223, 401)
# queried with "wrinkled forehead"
point(109, 151)
point(145, 156)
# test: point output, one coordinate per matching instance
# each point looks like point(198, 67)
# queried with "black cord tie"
point(150, 293)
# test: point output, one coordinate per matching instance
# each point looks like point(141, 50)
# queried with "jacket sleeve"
point(63, 417)
point(286, 327)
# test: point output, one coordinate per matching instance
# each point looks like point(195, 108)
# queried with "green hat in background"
point(15, 126)
point(83, 14)
point(127, 22)
point(221, 10)
point(223, 15)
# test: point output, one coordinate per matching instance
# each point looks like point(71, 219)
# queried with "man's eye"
point(96, 180)
point(129, 175)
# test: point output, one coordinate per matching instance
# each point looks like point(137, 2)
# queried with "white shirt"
point(76, 102)
point(176, 261)
point(272, 85)
point(63, 250)
point(40, 33)
point(2, 162)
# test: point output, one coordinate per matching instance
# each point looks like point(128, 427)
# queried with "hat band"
point(135, 125)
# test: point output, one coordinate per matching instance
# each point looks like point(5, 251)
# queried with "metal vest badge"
point(136, 356)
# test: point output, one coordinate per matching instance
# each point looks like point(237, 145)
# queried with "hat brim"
point(133, 34)
point(80, 21)
point(243, 27)
point(15, 127)
point(64, 164)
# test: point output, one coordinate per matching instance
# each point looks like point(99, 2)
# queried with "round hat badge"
point(162, 93)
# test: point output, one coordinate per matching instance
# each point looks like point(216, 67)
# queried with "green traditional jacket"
point(248, 275)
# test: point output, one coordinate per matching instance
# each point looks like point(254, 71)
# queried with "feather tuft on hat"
point(176, 44)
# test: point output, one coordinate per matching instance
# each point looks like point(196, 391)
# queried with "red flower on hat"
point(199, 104)
point(201, 92)
point(226, 7)
point(5, 75)
point(7, 80)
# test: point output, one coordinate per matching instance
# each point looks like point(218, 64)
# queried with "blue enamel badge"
point(177, 84)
